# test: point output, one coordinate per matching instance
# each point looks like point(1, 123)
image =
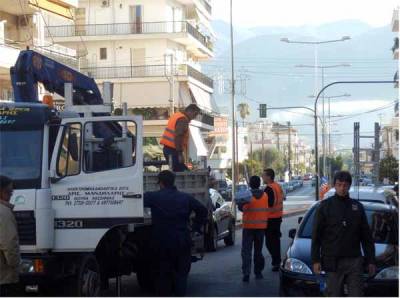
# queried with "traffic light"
point(263, 110)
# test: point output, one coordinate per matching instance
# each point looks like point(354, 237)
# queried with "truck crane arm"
point(32, 68)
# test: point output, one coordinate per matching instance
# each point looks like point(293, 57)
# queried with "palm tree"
point(244, 110)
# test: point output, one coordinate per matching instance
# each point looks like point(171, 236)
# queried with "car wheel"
point(230, 239)
point(212, 240)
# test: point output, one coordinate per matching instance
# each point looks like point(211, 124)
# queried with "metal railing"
point(206, 5)
point(140, 71)
point(128, 28)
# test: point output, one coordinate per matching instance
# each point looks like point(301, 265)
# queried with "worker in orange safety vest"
point(254, 222)
point(176, 137)
point(273, 231)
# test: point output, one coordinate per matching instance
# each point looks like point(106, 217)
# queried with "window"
point(21, 157)
point(109, 145)
point(68, 163)
point(103, 53)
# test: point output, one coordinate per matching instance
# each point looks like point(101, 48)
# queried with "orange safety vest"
point(255, 214)
point(168, 137)
point(277, 208)
point(323, 190)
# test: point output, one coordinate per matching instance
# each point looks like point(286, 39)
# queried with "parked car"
point(365, 193)
point(313, 181)
point(223, 224)
point(222, 188)
point(284, 186)
point(297, 278)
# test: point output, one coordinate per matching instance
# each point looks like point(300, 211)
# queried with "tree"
point(389, 168)
point(244, 110)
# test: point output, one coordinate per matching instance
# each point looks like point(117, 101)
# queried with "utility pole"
point(376, 153)
point(289, 151)
point(233, 107)
point(262, 149)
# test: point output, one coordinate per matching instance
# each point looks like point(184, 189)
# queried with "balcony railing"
point(123, 72)
point(206, 5)
point(128, 28)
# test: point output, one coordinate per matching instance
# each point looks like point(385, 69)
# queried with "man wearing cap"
point(176, 137)
point(170, 239)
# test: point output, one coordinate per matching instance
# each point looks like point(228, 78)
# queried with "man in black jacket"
point(170, 241)
point(340, 226)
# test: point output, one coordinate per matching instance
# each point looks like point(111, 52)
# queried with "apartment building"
point(22, 24)
point(151, 51)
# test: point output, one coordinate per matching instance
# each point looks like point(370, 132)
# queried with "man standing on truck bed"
point(171, 241)
point(176, 136)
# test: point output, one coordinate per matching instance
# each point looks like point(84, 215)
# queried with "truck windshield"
point(21, 156)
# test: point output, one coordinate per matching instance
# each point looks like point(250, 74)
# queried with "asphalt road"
point(219, 273)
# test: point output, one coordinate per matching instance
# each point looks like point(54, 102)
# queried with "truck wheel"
point(145, 279)
point(230, 239)
point(86, 283)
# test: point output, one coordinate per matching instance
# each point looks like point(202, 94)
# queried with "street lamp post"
point(315, 43)
point(316, 121)
point(324, 139)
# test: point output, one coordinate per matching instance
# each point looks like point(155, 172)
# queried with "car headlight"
point(388, 273)
point(295, 265)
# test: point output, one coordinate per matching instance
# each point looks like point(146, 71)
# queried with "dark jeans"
point(273, 240)
point(176, 165)
point(10, 290)
point(172, 273)
point(349, 271)
point(252, 237)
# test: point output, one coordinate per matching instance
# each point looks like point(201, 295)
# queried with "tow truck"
point(79, 181)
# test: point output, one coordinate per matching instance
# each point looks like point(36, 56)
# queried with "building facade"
point(151, 51)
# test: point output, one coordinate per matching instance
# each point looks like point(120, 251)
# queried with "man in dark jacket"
point(340, 226)
point(171, 241)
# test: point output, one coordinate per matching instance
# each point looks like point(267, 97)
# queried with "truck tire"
point(230, 239)
point(145, 279)
point(86, 283)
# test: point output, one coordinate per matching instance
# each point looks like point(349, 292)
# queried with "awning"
point(197, 141)
point(203, 99)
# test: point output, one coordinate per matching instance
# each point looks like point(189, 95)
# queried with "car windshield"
point(21, 156)
point(381, 223)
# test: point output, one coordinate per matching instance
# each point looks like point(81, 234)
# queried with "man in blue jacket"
point(171, 241)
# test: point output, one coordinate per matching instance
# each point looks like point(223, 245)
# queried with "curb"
point(285, 214)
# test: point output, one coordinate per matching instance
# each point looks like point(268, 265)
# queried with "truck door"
point(97, 178)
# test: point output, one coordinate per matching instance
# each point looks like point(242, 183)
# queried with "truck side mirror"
point(292, 233)
point(299, 219)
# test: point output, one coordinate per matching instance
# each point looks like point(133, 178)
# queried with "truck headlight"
point(295, 265)
point(388, 273)
point(26, 266)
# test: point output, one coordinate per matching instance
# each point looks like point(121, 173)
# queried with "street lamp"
point(322, 67)
point(315, 43)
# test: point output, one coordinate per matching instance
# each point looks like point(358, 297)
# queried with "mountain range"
point(266, 72)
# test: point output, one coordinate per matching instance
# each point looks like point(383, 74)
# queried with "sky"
point(251, 13)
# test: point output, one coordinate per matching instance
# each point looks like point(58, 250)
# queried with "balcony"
point(116, 29)
point(147, 71)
